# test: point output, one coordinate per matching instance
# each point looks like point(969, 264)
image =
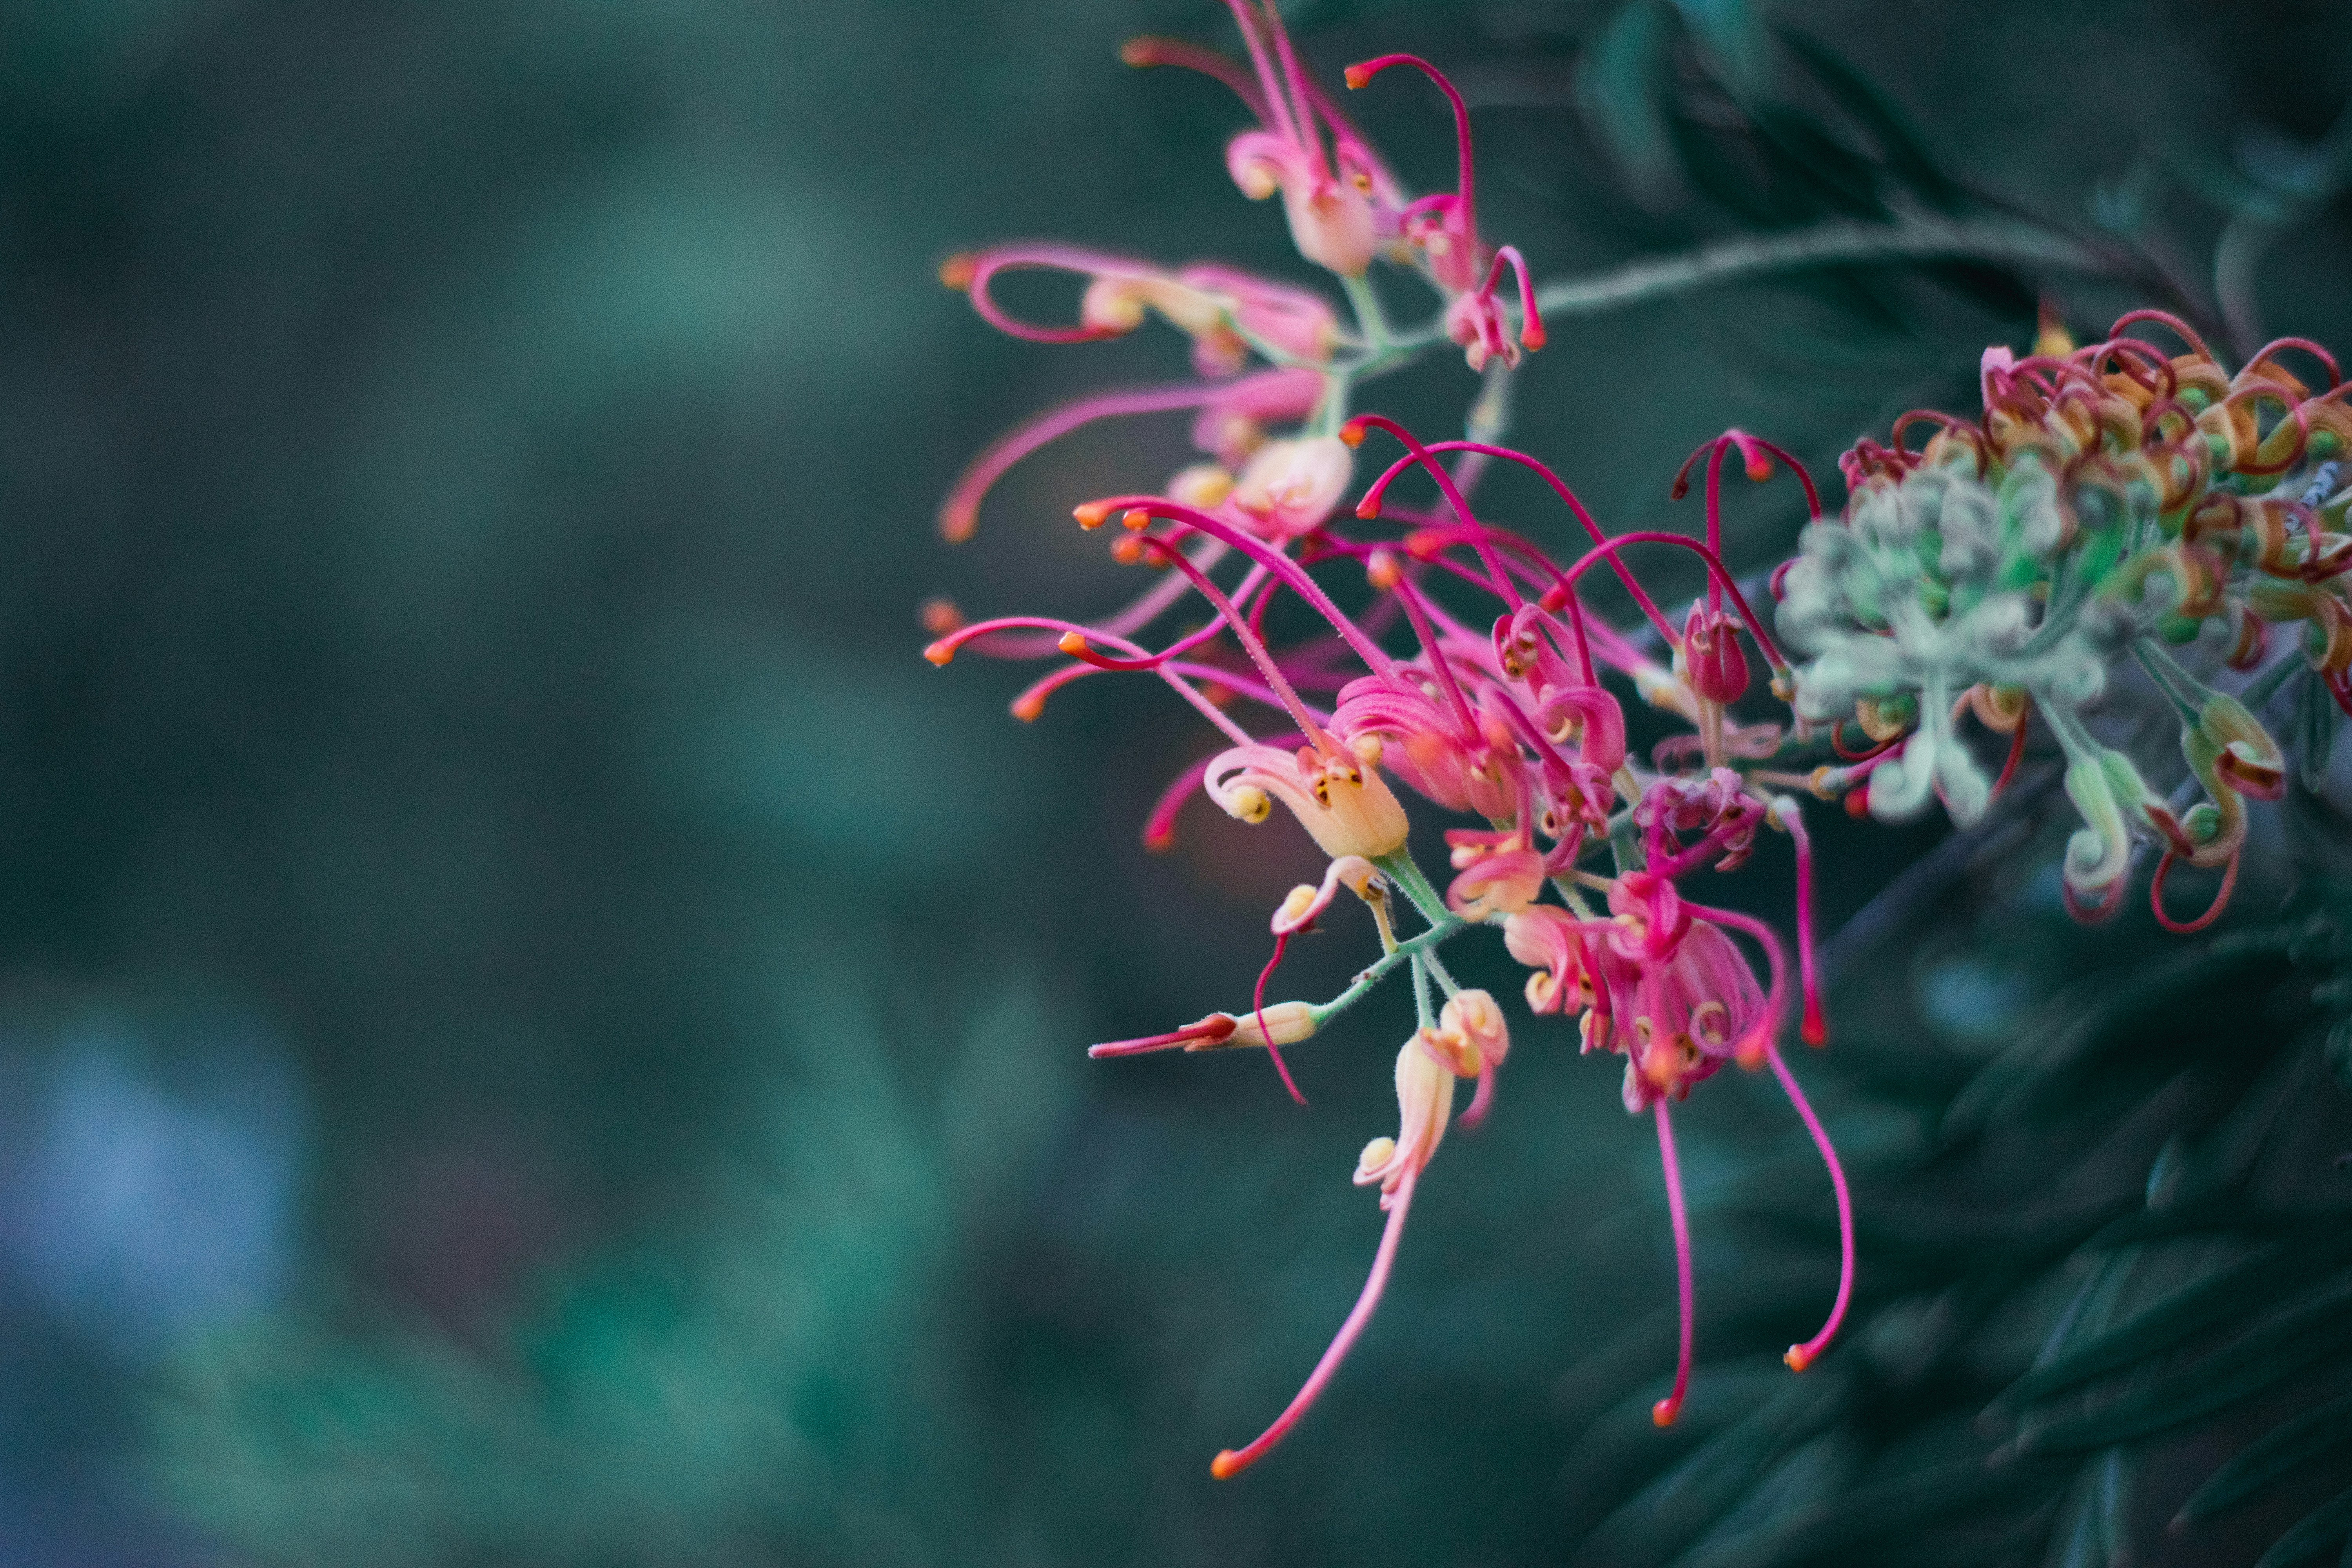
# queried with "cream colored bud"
point(1293, 484)
point(1112, 305)
point(1454, 1050)
point(1287, 1022)
point(1376, 1152)
point(1473, 1016)
point(1203, 485)
point(1248, 802)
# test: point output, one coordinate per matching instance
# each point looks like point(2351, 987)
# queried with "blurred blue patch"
point(1975, 1001)
point(154, 1202)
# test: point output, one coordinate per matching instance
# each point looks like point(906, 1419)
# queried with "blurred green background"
point(534, 1028)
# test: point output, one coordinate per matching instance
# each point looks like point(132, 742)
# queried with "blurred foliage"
point(2105, 1266)
point(465, 479)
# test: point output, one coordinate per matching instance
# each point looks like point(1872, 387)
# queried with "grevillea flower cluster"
point(2110, 498)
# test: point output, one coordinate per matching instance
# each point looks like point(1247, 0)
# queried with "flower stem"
point(1407, 875)
point(1378, 971)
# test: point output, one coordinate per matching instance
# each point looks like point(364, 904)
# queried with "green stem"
point(2185, 691)
point(1839, 240)
point(1437, 967)
point(2267, 685)
point(1363, 984)
point(1372, 322)
point(1401, 870)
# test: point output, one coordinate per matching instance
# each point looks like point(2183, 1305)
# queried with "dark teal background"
point(534, 1028)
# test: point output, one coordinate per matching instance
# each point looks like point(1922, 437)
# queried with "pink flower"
point(1444, 231)
point(1337, 797)
point(1424, 744)
point(1337, 203)
point(1291, 486)
point(1231, 424)
point(1426, 1068)
point(1558, 948)
point(1501, 873)
point(1711, 660)
point(1679, 1020)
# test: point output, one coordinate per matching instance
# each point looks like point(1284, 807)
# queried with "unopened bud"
point(1203, 485)
point(1248, 802)
point(1287, 1022)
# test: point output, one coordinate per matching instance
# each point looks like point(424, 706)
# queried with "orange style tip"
point(1367, 509)
point(958, 271)
point(1159, 843)
point(1663, 1412)
point(1749, 1057)
point(940, 653)
point(1137, 518)
point(1226, 1464)
point(1026, 709)
point(1554, 600)
point(940, 617)
point(1092, 514)
point(1139, 51)
point(1072, 643)
point(1760, 468)
point(1352, 433)
point(955, 527)
point(1356, 76)
point(1799, 1358)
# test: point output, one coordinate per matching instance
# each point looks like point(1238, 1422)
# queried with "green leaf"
point(2277, 1349)
point(1802, 154)
point(1725, 169)
point(2315, 728)
point(1900, 143)
point(1622, 81)
point(2169, 1320)
point(2271, 1455)
point(1866, 1513)
point(2113, 1495)
point(2321, 1528)
point(1735, 40)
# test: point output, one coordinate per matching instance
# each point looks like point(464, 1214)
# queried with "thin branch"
point(1839, 240)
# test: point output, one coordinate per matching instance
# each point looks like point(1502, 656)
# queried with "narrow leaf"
point(2278, 1349)
point(2321, 1528)
point(2271, 1455)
